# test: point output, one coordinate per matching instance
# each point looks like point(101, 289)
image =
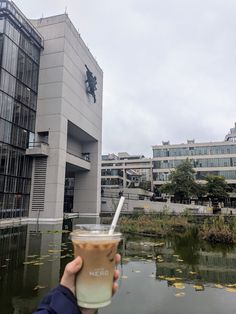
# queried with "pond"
point(172, 276)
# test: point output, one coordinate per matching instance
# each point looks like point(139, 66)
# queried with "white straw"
point(117, 214)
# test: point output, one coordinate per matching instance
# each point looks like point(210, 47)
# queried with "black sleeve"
point(59, 301)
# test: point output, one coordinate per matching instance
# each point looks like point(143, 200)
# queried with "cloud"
point(169, 67)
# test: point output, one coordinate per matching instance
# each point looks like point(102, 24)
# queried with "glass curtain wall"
point(19, 67)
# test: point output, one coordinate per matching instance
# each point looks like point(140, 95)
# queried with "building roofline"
point(194, 144)
point(18, 17)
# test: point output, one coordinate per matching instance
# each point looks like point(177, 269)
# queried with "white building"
point(119, 171)
point(218, 158)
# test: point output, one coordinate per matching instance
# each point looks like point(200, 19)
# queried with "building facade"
point(217, 158)
point(51, 118)
point(20, 46)
point(125, 170)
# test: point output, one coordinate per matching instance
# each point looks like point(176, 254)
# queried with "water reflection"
point(33, 258)
point(18, 282)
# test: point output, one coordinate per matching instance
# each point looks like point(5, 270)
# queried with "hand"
point(71, 270)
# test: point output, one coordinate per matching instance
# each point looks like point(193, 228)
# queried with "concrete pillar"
point(124, 177)
point(87, 191)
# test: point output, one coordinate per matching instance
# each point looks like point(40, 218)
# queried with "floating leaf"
point(231, 285)
point(178, 285)
point(54, 251)
point(4, 266)
point(161, 277)
point(199, 287)
point(159, 244)
point(159, 260)
point(39, 287)
point(38, 264)
point(219, 286)
point(7, 259)
point(152, 276)
point(192, 273)
point(137, 271)
point(179, 260)
point(180, 294)
point(230, 289)
point(179, 271)
point(28, 263)
point(175, 255)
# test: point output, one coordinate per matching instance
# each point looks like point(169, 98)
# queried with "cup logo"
point(99, 272)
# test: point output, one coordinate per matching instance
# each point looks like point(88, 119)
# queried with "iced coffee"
point(97, 249)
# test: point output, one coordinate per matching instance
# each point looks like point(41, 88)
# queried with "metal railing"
point(36, 144)
point(83, 156)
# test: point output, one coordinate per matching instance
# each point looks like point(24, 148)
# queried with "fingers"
point(117, 258)
point(116, 274)
point(114, 288)
point(68, 278)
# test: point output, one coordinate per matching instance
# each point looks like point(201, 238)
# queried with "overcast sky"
point(169, 66)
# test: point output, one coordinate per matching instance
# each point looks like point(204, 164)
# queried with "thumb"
point(73, 267)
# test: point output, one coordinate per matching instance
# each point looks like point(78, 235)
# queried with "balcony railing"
point(83, 156)
point(36, 144)
point(37, 149)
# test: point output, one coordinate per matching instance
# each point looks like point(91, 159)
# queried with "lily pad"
point(180, 294)
point(199, 287)
point(230, 289)
point(179, 285)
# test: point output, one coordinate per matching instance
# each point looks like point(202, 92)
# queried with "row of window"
point(10, 184)
point(13, 205)
point(13, 162)
point(17, 65)
point(228, 175)
point(193, 151)
point(16, 112)
point(27, 70)
point(112, 172)
point(200, 175)
point(198, 163)
point(14, 135)
point(112, 181)
point(9, 56)
point(20, 40)
point(26, 96)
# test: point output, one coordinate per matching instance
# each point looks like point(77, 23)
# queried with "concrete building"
point(65, 142)
point(218, 158)
point(120, 171)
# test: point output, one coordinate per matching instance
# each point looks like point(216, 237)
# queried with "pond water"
point(173, 276)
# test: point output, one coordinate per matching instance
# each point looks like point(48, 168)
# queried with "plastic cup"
point(97, 249)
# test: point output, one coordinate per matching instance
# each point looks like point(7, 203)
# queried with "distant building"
point(217, 158)
point(124, 170)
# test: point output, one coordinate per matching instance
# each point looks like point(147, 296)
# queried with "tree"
point(182, 182)
point(216, 187)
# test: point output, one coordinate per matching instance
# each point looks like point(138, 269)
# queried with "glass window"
point(21, 66)
point(10, 54)
point(12, 32)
